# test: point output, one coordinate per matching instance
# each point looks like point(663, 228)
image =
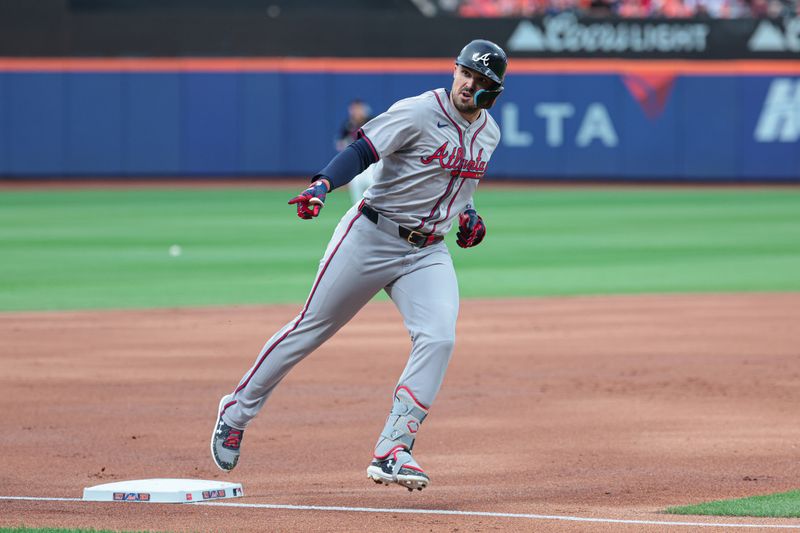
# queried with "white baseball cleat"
point(226, 441)
point(398, 468)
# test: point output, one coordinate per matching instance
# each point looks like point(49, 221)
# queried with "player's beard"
point(467, 107)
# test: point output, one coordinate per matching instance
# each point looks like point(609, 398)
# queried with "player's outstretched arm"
point(348, 164)
point(471, 229)
point(311, 201)
point(342, 168)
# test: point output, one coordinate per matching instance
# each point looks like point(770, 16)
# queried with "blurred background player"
point(358, 114)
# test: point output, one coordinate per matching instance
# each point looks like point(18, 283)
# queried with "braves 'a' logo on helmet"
point(482, 58)
point(489, 60)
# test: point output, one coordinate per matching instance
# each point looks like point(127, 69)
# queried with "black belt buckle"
point(419, 239)
point(414, 237)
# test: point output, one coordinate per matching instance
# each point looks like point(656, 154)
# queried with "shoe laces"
point(234, 439)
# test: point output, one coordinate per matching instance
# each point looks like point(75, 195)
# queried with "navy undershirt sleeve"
point(347, 164)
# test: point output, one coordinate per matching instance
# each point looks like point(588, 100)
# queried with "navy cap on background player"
point(490, 60)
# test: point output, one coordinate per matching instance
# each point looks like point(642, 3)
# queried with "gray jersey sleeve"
point(395, 129)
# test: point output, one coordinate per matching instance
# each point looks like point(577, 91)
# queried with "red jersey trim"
point(362, 135)
point(472, 175)
point(450, 205)
point(452, 180)
point(458, 129)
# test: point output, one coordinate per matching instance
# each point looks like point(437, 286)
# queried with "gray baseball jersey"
point(431, 160)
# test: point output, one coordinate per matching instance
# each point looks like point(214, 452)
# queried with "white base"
point(163, 491)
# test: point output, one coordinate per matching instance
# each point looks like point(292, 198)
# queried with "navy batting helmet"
point(491, 61)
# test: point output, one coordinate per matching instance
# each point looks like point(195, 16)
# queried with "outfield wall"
point(607, 119)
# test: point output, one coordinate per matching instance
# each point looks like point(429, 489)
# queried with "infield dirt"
point(612, 407)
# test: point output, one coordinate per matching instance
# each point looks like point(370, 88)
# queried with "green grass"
point(108, 248)
point(782, 505)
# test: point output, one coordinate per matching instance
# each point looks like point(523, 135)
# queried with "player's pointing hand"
point(311, 201)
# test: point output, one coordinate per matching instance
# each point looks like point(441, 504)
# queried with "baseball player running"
point(429, 153)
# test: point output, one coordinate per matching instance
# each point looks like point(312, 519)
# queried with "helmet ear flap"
point(484, 98)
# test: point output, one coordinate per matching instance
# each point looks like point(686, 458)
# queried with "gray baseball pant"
point(361, 259)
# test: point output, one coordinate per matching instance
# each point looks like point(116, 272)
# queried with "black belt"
point(420, 240)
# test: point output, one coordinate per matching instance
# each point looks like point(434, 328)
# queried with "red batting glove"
point(311, 201)
point(471, 229)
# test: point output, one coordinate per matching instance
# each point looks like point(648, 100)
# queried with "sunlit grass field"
point(110, 248)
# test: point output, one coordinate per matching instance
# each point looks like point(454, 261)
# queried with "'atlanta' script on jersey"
point(464, 168)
